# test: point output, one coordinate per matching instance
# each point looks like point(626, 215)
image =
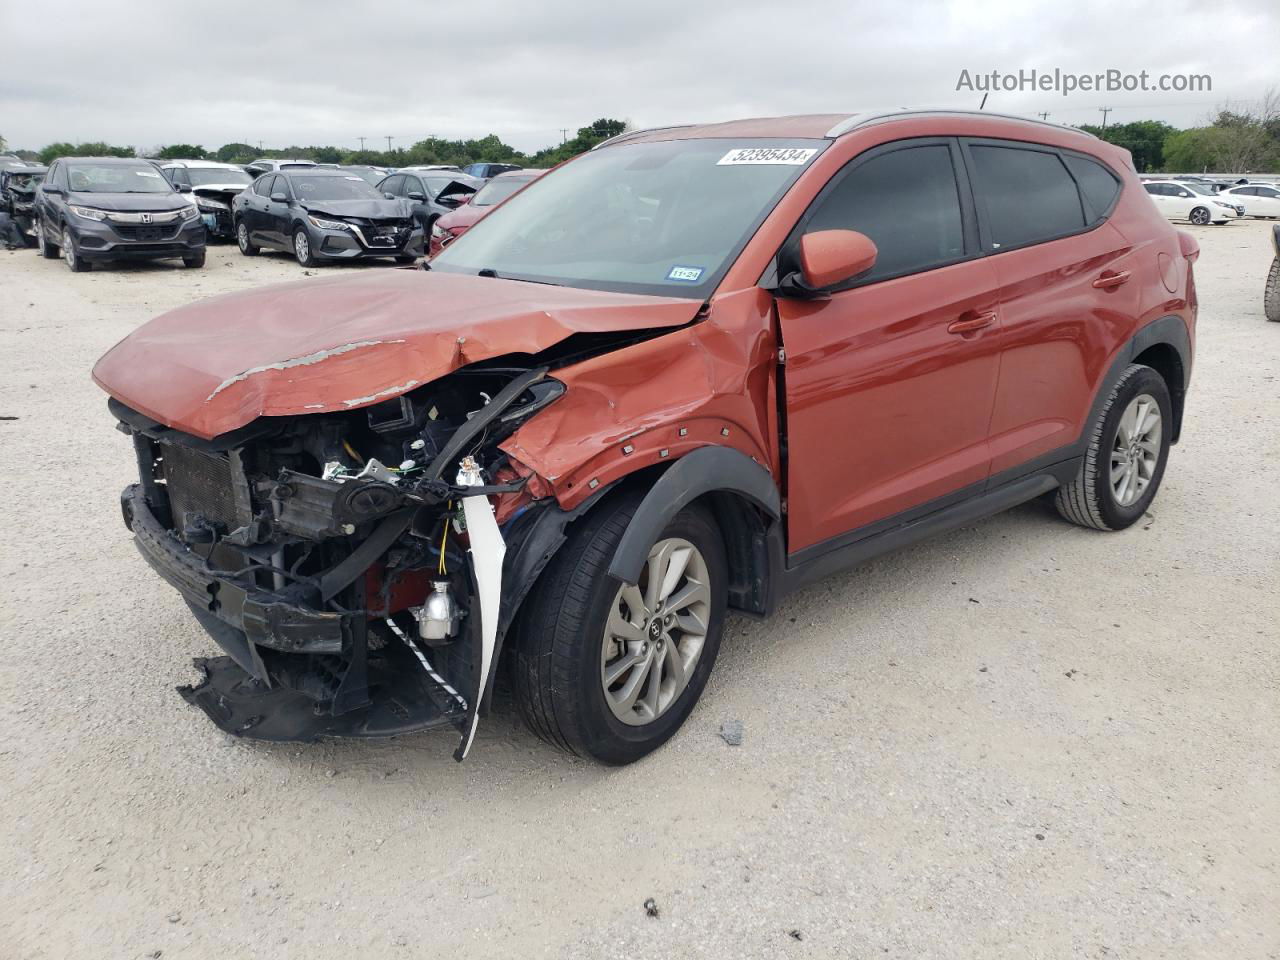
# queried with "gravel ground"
point(1022, 739)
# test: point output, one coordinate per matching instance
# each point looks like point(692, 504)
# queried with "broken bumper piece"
point(402, 700)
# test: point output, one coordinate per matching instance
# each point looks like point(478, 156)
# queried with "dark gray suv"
point(91, 209)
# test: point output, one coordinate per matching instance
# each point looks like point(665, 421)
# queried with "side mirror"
point(829, 257)
point(279, 198)
point(51, 190)
point(388, 194)
point(417, 195)
point(184, 188)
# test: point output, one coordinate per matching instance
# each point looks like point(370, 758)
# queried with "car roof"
point(201, 165)
point(815, 126)
point(110, 160)
point(316, 171)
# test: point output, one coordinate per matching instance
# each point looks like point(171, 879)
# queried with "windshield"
point(320, 189)
point(24, 181)
point(664, 218)
point(116, 178)
point(369, 176)
point(200, 176)
point(1200, 189)
point(495, 191)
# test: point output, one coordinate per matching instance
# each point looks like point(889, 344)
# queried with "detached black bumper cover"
point(237, 694)
point(263, 618)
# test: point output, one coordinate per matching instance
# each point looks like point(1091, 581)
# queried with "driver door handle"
point(971, 323)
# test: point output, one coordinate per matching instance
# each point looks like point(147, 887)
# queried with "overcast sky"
point(320, 72)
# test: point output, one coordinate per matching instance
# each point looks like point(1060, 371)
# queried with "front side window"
point(116, 178)
point(907, 201)
point(664, 218)
point(319, 189)
point(393, 185)
point(1028, 194)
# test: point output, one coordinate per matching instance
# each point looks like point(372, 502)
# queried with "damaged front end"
point(350, 564)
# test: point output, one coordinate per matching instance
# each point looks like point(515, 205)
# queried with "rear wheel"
point(1128, 451)
point(1199, 216)
point(302, 248)
point(75, 262)
point(48, 250)
point(242, 239)
point(611, 671)
point(1271, 296)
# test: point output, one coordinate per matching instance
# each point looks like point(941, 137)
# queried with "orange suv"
point(680, 375)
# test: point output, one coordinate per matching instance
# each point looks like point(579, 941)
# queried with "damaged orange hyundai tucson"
point(681, 375)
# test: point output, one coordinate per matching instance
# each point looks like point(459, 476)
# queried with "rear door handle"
point(1110, 280)
point(971, 323)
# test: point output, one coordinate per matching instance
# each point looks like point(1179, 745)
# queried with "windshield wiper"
point(493, 274)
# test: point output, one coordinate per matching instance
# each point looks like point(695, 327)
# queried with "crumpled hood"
point(346, 342)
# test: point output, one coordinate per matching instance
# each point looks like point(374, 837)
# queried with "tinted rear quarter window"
point(1028, 194)
point(1098, 185)
point(907, 202)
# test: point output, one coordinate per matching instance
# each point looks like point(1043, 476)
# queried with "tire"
point(302, 248)
point(1200, 216)
point(406, 259)
point(242, 240)
point(75, 262)
point(47, 250)
point(560, 653)
point(1271, 295)
point(194, 263)
point(1092, 499)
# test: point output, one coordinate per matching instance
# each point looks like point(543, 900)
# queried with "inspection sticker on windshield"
point(787, 156)
point(685, 274)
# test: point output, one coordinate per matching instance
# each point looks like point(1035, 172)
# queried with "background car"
point(271, 165)
point(213, 186)
point(452, 225)
point(324, 215)
point(371, 175)
point(1180, 200)
point(486, 170)
point(18, 183)
point(1258, 200)
point(432, 194)
point(112, 208)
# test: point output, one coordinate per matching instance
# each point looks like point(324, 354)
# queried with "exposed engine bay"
point(350, 564)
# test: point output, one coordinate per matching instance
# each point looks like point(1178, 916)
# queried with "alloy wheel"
point(1135, 453)
point(242, 236)
point(302, 247)
point(68, 249)
point(1200, 216)
point(655, 633)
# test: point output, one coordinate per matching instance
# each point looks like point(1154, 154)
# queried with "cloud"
point(323, 72)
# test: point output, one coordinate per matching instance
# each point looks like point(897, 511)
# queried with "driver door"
point(277, 219)
point(890, 382)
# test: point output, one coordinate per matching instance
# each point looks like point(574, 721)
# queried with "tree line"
point(1233, 141)
point(490, 149)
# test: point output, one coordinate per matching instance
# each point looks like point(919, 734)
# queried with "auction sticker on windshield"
point(787, 156)
point(685, 274)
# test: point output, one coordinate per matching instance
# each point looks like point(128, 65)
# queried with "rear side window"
point(907, 201)
point(1098, 185)
point(1028, 194)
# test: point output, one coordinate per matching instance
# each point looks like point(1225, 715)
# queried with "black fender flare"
point(1169, 330)
point(713, 469)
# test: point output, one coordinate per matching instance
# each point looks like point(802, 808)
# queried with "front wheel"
point(75, 262)
point(302, 248)
point(611, 671)
point(407, 258)
point(194, 262)
point(243, 241)
point(1199, 216)
point(1128, 451)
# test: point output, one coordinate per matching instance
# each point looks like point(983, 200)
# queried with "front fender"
point(712, 469)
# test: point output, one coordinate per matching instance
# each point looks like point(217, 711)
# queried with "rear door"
point(890, 381)
point(1069, 285)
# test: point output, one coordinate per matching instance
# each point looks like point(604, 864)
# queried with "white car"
point(1182, 200)
point(272, 165)
point(212, 186)
point(1260, 200)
